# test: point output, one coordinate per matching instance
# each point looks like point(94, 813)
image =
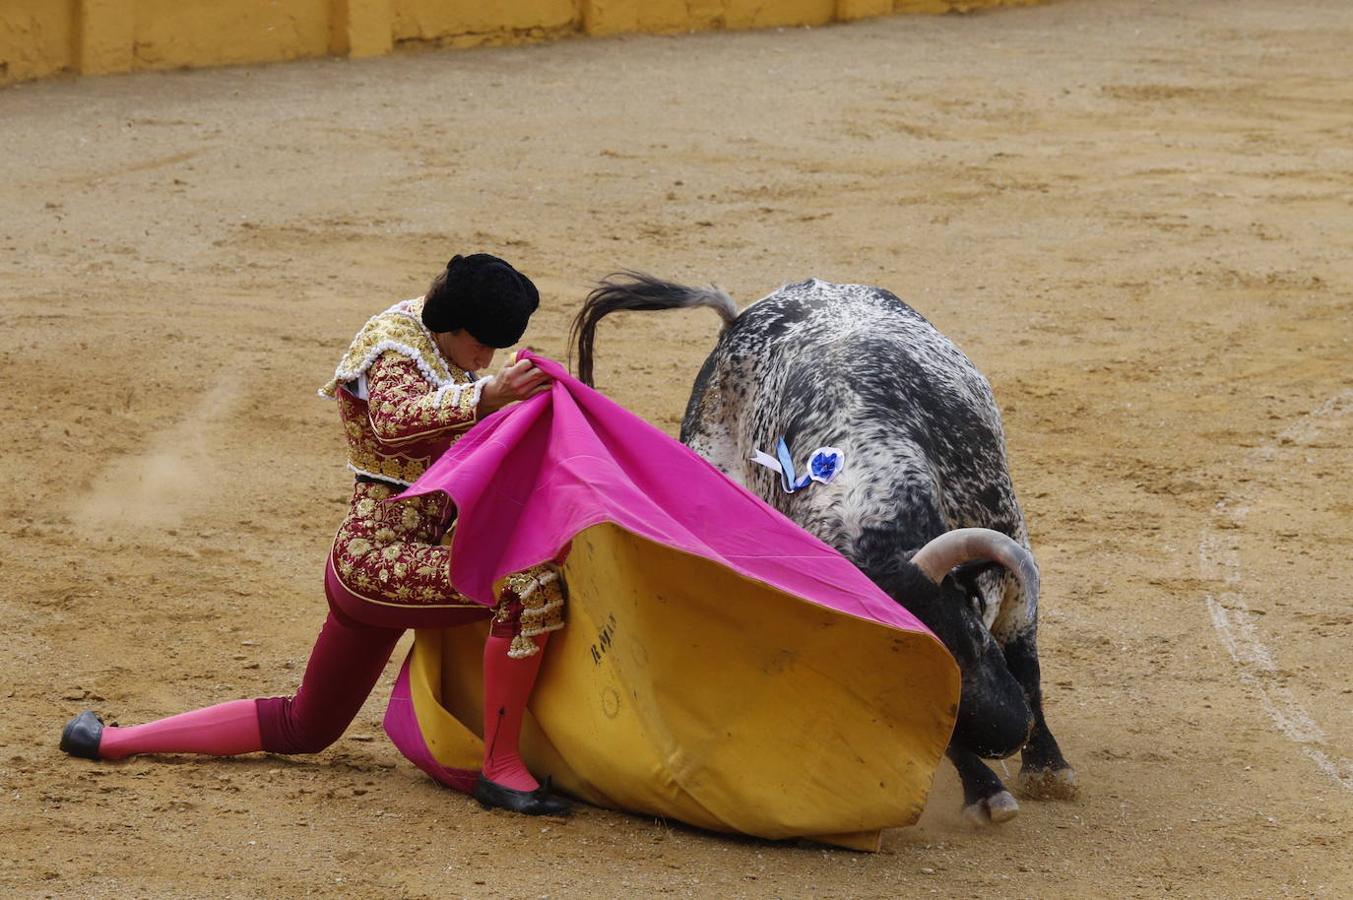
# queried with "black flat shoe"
point(541, 802)
point(81, 735)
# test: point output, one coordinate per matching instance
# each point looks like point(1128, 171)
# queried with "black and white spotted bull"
point(924, 504)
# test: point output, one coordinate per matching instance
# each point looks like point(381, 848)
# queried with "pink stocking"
point(507, 687)
point(222, 730)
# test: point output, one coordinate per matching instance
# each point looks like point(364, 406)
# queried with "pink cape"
point(528, 480)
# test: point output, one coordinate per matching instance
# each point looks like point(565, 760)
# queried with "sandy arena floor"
point(1134, 216)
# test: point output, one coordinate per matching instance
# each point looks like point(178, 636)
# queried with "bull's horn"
point(953, 548)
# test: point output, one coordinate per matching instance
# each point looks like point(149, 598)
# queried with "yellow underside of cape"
point(681, 689)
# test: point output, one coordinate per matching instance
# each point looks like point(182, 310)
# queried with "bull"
point(923, 505)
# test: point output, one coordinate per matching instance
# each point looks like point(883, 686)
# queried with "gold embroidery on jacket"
point(399, 328)
point(406, 421)
point(387, 551)
point(534, 600)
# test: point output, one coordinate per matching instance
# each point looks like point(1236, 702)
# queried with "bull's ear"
point(966, 575)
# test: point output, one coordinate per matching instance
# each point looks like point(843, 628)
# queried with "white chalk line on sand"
point(1219, 560)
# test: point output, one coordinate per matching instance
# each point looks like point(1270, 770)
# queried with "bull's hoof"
point(992, 810)
point(1048, 784)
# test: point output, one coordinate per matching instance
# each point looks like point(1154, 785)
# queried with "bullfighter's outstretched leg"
point(1044, 773)
point(347, 660)
point(985, 799)
point(225, 729)
point(345, 664)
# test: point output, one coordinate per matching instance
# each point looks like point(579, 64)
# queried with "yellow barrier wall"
point(461, 23)
point(44, 37)
point(37, 37)
point(170, 34)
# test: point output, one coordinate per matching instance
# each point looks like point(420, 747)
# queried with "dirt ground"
point(1134, 216)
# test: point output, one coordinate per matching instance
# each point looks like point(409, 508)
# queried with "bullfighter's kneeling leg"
point(225, 729)
point(347, 659)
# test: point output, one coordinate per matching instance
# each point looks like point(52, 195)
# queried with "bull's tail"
point(636, 291)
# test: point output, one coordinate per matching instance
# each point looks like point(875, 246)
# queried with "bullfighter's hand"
point(518, 380)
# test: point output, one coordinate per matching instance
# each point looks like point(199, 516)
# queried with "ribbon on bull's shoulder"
point(824, 464)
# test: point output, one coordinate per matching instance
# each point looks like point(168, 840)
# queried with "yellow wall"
point(36, 38)
point(43, 37)
point(760, 14)
point(176, 33)
point(468, 22)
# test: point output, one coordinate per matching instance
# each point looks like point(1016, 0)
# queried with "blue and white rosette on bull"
point(824, 464)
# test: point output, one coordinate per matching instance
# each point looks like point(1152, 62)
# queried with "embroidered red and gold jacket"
point(402, 404)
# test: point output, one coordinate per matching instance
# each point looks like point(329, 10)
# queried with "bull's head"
point(938, 587)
